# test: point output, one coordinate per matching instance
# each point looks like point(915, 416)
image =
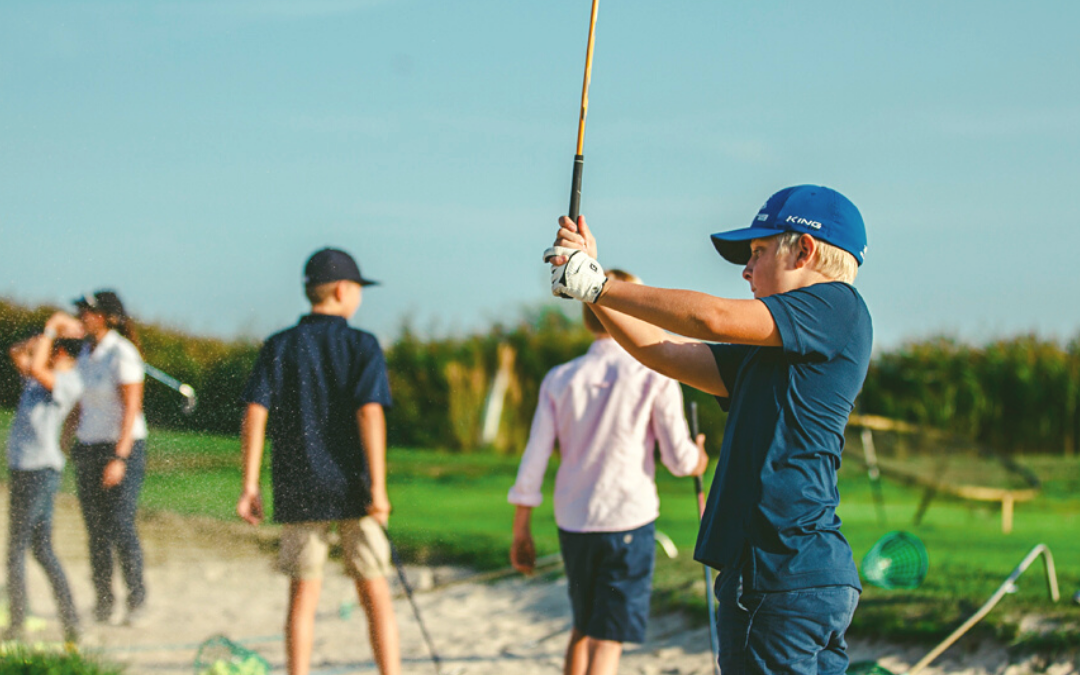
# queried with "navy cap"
point(821, 212)
point(331, 264)
point(101, 302)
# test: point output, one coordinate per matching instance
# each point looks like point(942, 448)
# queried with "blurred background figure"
point(110, 456)
point(51, 388)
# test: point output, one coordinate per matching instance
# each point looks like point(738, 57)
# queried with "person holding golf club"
point(608, 414)
point(787, 365)
point(318, 390)
point(110, 453)
point(52, 387)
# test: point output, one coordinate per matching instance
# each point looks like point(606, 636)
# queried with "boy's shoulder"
point(820, 300)
point(313, 334)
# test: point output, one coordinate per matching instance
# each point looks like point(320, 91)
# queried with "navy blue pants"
point(782, 633)
point(110, 519)
point(31, 511)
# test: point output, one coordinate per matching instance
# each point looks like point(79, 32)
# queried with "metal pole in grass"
point(412, 601)
point(1008, 586)
point(699, 490)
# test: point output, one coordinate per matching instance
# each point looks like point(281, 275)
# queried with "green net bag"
point(897, 560)
point(868, 668)
point(221, 656)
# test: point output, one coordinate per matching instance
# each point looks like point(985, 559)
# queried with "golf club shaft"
point(699, 491)
point(163, 377)
point(171, 382)
point(579, 158)
point(412, 601)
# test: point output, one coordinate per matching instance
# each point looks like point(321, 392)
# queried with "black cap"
point(331, 264)
point(102, 302)
point(70, 345)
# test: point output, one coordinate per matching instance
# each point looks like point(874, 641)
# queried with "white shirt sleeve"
point(530, 477)
point(129, 364)
point(677, 450)
point(67, 388)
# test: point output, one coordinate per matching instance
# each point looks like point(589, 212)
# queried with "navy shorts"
point(610, 580)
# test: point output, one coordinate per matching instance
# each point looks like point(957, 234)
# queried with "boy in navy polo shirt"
point(318, 390)
point(791, 363)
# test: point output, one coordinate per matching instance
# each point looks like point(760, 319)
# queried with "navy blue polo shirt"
point(772, 507)
point(312, 378)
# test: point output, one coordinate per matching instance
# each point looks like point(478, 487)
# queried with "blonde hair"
point(319, 293)
point(587, 315)
point(830, 261)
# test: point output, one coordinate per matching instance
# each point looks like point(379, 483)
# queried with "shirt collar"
point(605, 345)
point(322, 318)
point(111, 338)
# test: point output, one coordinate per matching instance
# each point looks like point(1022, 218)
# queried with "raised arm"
point(40, 348)
point(687, 313)
point(20, 354)
point(688, 361)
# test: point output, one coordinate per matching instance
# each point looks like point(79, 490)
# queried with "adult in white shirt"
point(608, 414)
point(110, 456)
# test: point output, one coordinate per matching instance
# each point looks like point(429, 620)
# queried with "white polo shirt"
point(112, 362)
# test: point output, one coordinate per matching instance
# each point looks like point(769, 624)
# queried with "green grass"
point(452, 508)
point(17, 659)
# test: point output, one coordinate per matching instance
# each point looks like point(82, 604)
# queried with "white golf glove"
point(580, 277)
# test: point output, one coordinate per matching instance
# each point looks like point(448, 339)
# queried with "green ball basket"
point(868, 668)
point(219, 655)
point(897, 560)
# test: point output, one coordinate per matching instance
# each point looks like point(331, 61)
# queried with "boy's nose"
point(746, 272)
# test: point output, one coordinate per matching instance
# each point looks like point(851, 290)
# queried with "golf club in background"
point(176, 385)
point(416, 610)
point(699, 490)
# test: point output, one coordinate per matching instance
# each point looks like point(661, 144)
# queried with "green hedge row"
point(1015, 395)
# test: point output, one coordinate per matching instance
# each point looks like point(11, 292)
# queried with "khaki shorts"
point(364, 547)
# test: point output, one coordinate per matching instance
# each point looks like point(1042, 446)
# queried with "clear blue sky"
point(191, 154)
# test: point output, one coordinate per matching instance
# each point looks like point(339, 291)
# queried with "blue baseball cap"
point(332, 264)
point(821, 212)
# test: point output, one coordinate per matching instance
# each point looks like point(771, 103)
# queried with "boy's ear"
point(340, 291)
point(807, 247)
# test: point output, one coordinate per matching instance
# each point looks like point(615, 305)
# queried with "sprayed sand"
point(207, 577)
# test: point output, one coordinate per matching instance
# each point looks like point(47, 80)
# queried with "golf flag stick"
point(416, 610)
point(579, 158)
point(699, 490)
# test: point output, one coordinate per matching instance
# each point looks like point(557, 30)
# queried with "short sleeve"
point(372, 383)
point(729, 359)
point(258, 388)
point(129, 364)
point(815, 322)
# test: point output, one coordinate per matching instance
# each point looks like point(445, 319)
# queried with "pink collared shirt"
point(608, 413)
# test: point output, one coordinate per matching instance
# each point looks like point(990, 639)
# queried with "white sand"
point(206, 578)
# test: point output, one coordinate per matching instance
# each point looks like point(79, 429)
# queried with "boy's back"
point(608, 413)
point(312, 378)
point(319, 389)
